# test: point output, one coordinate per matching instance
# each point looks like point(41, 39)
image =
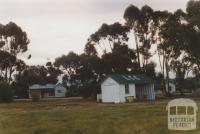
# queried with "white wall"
point(62, 91)
point(123, 95)
point(110, 91)
point(172, 86)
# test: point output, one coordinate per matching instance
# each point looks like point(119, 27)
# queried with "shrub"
point(35, 96)
point(6, 93)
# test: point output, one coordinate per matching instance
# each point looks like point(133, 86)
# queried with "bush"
point(35, 96)
point(20, 90)
point(6, 93)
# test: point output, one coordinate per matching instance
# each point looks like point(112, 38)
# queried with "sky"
point(56, 27)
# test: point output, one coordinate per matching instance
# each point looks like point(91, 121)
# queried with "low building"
point(48, 90)
point(172, 86)
point(117, 88)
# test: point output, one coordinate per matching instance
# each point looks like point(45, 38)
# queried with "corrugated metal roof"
point(47, 86)
point(130, 78)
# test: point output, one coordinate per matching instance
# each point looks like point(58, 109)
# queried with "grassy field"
point(83, 117)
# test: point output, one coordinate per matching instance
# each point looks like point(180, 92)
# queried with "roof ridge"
point(130, 78)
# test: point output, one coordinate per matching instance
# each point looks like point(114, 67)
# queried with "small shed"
point(116, 88)
point(48, 90)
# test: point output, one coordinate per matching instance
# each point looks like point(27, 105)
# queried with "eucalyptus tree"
point(173, 42)
point(146, 33)
point(38, 75)
point(109, 35)
point(141, 22)
point(180, 67)
point(69, 64)
point(13, 42)
point(90, 49)
point(193, 14)
point(82, 73)
point(193, 36)
point(53, 73)
point(132, 17)
point(121, 60)
point(90, 74)
point(160, 18)
point(185, 38)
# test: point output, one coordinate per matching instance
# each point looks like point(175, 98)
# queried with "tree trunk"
point(167, 75)
point(161, 68)
point(164, 67)
point(10, 75)
point(137, 48)
point(6, 74)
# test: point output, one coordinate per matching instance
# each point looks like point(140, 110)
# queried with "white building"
point(48, 90)
point(172, 86)
point(116, 88)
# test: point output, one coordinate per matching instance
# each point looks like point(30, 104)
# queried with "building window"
point(127, 88)
point(59, 91)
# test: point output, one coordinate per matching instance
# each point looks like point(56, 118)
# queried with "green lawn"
point(84, 117)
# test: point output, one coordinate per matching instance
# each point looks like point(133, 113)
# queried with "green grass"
point(84, 117)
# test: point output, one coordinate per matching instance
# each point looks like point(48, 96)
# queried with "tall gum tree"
point(109, 35)
point(141, 23)
point(13, 41)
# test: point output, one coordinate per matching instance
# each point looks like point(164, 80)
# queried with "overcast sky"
point(56, 27)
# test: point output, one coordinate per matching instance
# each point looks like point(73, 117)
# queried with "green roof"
point(130, 78)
